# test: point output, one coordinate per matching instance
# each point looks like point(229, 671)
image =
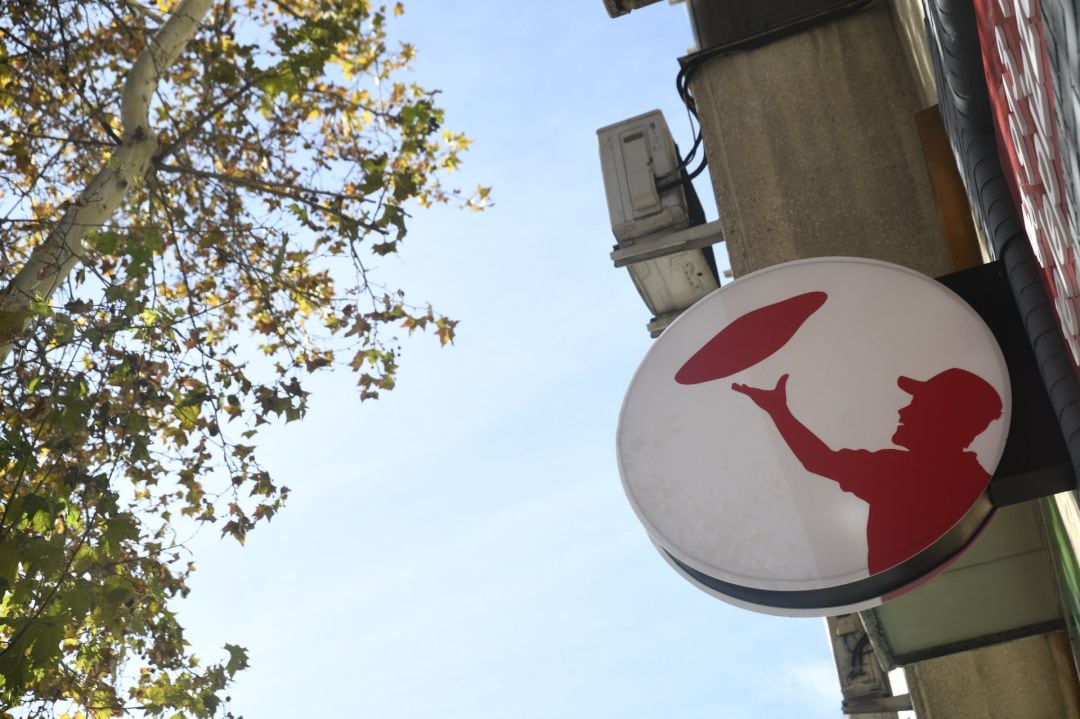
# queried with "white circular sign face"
point(817, 435)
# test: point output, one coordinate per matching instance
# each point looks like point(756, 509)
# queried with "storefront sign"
point(816, 437)
point(1021, 95)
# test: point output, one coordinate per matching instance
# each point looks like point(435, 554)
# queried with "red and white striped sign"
point(1022, 98)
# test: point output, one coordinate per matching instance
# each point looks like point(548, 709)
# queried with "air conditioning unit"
point(661, 235)
point(615, 8)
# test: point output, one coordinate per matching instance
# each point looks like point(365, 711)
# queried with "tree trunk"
point(51, 261)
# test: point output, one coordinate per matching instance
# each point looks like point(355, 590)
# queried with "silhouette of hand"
point(769, 400)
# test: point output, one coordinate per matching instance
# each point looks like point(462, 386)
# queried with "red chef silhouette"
point(915, 493)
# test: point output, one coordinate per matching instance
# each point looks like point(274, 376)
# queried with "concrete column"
point(814, 151)
point(1030, 678)
point(813, 148)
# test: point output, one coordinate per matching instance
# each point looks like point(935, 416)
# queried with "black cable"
point(693, 63)
point(688, 67)
point(859, 653)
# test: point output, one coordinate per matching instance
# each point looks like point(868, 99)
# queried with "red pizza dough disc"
point(750, 339)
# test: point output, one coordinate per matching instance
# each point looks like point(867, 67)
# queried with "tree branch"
point(210, 112)
point(62, 250)
point(291, 192)
point(288, 192)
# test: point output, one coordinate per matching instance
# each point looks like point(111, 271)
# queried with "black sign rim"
point(869, 591)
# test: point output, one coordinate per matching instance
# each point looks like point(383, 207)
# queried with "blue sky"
point(462, 547)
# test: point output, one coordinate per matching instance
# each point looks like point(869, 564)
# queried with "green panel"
point(1013, 530)
point(1001, 587)
point(1068, 569)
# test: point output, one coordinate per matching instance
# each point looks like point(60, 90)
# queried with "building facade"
point(877, 130)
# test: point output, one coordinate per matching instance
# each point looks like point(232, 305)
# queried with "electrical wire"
point(693, 63)
point(679, 174)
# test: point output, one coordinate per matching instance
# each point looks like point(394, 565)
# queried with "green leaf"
point(79, 598)
point(12, 322)
point(9, 564)
point(42, 556)
point(238, 659)
point(120, 527)
point(46, 641)
point(103, 241)
point(187, 415)
point(73, 419)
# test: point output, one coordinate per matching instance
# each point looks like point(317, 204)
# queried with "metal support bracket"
point(881, 705)
point(662, 244)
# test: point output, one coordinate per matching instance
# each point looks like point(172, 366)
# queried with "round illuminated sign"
point(816, 436)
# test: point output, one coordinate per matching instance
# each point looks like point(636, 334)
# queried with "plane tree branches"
point(193, 198)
